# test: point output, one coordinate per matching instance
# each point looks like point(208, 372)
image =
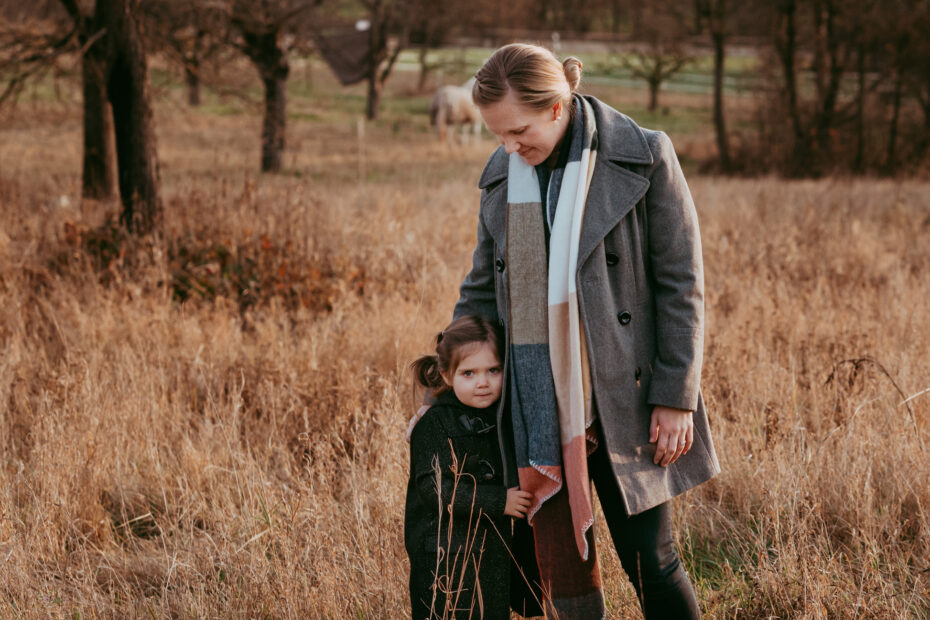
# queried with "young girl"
point(457, 524)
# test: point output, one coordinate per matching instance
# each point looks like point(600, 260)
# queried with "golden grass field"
point(243, 456)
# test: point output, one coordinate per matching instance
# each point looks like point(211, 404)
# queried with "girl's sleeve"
point(431, 449)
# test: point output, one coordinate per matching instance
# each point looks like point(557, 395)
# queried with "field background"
point(209, 422)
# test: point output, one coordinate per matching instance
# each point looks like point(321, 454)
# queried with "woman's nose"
point(511, 146)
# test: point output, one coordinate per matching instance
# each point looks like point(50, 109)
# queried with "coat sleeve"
point(434, 471)
point(674, 244)
point(477, 295)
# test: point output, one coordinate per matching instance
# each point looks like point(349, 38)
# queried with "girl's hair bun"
point(572, 67)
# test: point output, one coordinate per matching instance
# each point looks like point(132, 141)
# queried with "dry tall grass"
point(218, 459)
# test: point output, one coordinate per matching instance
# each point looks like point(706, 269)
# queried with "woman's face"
point(533, 134)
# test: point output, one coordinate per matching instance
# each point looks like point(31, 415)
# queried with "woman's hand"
point(518, 502)
point(672, 430)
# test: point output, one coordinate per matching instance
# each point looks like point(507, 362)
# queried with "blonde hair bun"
point(535, 76)
point(572, 67)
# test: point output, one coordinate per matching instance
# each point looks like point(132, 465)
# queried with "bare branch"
point(25, 54)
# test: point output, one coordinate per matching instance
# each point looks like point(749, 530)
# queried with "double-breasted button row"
point(499, 264)
point(624, 317)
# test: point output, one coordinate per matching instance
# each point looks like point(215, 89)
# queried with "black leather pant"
point(646, 548)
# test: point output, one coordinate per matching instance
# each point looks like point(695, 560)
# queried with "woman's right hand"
point(518, 502)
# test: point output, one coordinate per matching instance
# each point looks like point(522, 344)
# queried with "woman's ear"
point(557, 111)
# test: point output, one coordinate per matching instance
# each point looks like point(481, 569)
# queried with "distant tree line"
point(842, 86)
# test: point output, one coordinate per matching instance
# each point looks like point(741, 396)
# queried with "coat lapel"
point(495, 211)
point(615, 189)
point(613, 193)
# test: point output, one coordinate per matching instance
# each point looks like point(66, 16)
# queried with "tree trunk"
point(374, 96)
point(832, 70)
point(128, 91)
point(616, 16)
point(275, 121)
point(859, 162)
point(786, 49)
point(924, 141)
point(271, 62)
point(636, 20)
point(723, 148)
point(97, 174)
point(890, 155)
point(424, 67)
point(654, 79)
point(192, 80)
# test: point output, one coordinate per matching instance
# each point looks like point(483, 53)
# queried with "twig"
point(858, 363)
point(913, 396)
point(253, 539)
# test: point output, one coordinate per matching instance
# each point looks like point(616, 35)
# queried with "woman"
point(589, 256)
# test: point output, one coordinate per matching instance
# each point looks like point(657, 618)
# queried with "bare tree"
point(364, 44)
point(901, 27)
point(113, 70)
point(866, 39)
point(573, 16)
point(433, 23)
point(716, 13)
point(660, 51)
point(389, 26)
point(32, 39)
point(264, 32)
point(98, 171)
point(127, 88)
point(829, 29)
point(192, 33)
point(916, 67)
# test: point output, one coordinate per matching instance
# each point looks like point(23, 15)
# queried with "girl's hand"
point(518, 502)
point(416, 418)
point(672, 430)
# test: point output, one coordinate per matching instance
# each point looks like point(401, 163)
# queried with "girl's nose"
point(483, 379)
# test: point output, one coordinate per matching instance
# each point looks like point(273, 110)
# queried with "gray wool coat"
point(640, 286)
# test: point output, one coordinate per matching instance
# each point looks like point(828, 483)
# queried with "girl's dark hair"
point(452, 344)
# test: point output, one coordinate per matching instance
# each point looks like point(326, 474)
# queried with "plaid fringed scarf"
point(551, 398)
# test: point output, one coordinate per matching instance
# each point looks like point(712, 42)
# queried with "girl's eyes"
point(470, 373)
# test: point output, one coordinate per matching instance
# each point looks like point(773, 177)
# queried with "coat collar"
point(619, 140)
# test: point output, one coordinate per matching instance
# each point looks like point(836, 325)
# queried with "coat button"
point(612, 259)
point(638, 373)
point(624, 317)
point(499, 263)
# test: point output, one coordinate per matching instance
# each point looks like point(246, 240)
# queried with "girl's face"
point(532, 134)
point(478, 379)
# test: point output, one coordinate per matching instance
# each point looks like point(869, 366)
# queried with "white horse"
point(452, 105)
